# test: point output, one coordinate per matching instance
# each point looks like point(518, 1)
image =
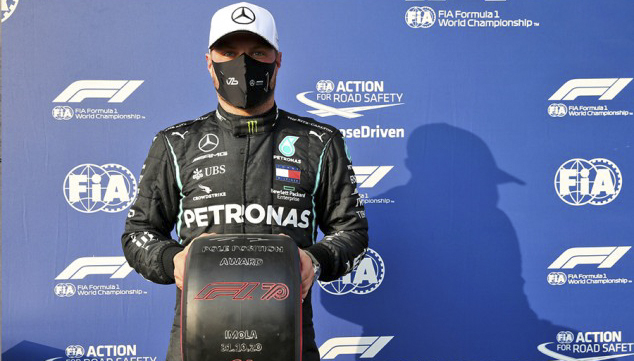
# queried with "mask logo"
point(287, 145)
point(244, 82)
point(243, 15)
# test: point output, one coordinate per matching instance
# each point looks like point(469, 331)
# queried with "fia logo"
point(63, 112)
point(90, 188)
point(365, 278)
point(325, 86)
point(597, 181)
point(75, 351)
point(557, 278)
point(232, 81)
point(420, 17)
point(65, 290)
point(8, 7)
point(557, 110)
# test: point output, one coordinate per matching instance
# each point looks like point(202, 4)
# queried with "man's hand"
point(307, 272)
point(179, 266)
point(179, 262)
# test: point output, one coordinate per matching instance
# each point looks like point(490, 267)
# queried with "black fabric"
point(202, 177)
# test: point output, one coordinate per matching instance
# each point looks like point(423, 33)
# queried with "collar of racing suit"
point(242, 125)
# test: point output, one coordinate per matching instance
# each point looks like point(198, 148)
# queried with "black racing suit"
point(222, 173)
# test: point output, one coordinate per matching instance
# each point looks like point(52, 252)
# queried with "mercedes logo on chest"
point(208, 143)
point(243, 15)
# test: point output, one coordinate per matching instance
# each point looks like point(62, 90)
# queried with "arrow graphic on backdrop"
point(324, 110)
point(559, 357)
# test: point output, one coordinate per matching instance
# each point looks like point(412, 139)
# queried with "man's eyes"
point(255, 54)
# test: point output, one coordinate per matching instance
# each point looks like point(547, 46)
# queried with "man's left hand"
point(307, 271)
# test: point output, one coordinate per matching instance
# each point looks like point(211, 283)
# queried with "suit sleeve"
point(147, 244)
point(340, 214)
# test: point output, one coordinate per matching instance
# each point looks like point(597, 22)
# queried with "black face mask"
point(244, 81)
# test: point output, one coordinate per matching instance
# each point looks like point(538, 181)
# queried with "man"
point(248, 167)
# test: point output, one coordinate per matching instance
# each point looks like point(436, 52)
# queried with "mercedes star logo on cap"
point(243, 15)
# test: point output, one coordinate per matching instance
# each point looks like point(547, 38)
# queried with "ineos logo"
point(243, 15)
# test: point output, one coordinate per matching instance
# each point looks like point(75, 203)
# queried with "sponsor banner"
point(86, 276)
point(125, 352)
point(349, 99)
point(115, 91)
point(377, 131)
point(600, 90)
point(587, 346)
point(425, 17)
point(603, 257)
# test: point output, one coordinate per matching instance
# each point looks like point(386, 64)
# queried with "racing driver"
point(247, 167)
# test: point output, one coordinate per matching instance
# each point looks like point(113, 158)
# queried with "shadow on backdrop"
point(453, 288)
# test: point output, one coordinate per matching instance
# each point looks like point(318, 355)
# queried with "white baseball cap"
point(243, 16)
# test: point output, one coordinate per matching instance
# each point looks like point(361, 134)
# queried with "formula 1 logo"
point(597, 181)
point(605, 257)
point(8, 7)
point(365, 278)
point(116, 91)
point(604, 88)
point(240, 291)
point(367, 346)
point(90, 188)
point(369, 176)
point(116, 267)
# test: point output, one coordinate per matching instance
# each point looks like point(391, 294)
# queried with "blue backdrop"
point(491, 142)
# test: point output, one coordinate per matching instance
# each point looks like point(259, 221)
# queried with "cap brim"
point(243, 31)
point(503, 177)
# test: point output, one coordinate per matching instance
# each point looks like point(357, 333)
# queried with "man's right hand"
point(179, 262)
